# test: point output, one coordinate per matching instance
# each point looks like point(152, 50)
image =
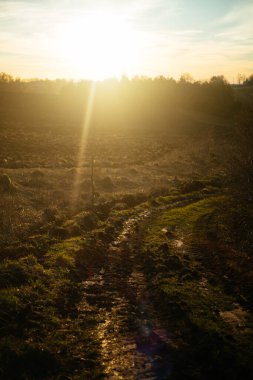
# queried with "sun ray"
point(83, 142)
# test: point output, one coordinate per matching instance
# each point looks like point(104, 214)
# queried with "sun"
point(98, 45)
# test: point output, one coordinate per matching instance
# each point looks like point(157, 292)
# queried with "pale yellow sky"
point(98, 39)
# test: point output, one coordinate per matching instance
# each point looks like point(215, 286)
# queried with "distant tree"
point(186, 77)
point(218, 80)
point(248, 81)
point(240, 78)
point(221, 96)
point(160, 78)
point(6, 78)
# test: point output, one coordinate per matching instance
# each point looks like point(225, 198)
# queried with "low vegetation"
point(203, 286)
point(188, 165)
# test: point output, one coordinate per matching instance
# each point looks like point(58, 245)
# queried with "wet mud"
point(133, 342)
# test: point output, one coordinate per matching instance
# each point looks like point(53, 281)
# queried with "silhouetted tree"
point(186, 77)
point(6, 78)
point(240, 78)
point(249, 81)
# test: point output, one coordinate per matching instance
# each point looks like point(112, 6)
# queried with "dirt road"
point(134, 343)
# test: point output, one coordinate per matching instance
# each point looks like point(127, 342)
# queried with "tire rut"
point(133, 341)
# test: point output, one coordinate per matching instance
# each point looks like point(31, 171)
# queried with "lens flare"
point(84, 141)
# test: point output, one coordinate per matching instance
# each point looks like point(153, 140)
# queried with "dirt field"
point(148, 277)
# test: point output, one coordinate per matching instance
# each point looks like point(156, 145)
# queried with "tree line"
point(140, 101)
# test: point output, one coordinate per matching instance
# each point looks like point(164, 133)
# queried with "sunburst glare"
point(99, 45)
point(83, 140)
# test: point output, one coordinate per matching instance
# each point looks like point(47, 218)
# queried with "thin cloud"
point(238, 21)
point(28, 36)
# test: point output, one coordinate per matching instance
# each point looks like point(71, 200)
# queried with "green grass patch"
point(185, 220)
point(62, 255)
point(39, 296)
point(199, 281)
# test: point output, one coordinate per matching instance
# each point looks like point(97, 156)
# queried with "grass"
point(45, 255)
point(64, 252)
point(197, 280)
point(193, 264)
point(41, 335)
point(183, 220)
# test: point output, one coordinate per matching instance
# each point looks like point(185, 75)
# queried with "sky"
point(96, 39)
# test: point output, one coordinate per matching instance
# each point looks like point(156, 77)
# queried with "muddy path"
point(134, 343)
